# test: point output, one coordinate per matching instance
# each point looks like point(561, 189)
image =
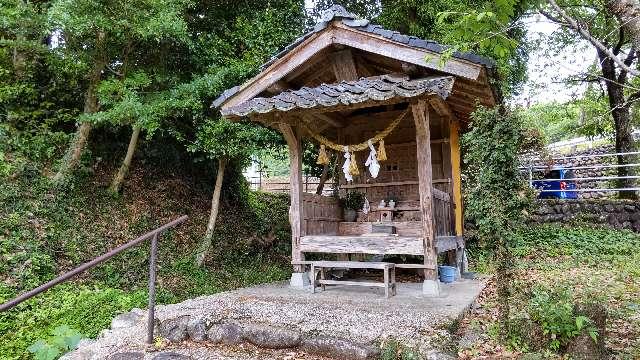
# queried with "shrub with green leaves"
point(555, 313)
point(585, 242)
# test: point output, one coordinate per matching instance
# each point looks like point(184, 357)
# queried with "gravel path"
point(360, 315)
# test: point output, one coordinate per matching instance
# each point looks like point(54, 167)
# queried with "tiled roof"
point(337, 12)
point(378, 88)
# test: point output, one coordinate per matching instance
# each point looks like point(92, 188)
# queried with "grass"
point(592, 264)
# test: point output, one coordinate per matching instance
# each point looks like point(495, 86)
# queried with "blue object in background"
point(447, 274)
point(556, 183)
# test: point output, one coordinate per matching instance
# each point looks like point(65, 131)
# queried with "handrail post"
point(152, 288)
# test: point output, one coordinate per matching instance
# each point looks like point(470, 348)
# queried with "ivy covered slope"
point(44, 232)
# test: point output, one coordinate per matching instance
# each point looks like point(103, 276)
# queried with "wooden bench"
point(388, 269)
point(378, 245)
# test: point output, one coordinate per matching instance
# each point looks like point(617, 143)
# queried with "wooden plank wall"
point(322, 214)
point(442, 213)
point(398, 176)
point(400, 171)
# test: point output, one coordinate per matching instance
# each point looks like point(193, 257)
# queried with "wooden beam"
point(364, 69)
point(393, 183)
point(295, 209)
point(278, 87)
point(410, 69)
point(380, 45)
point(344, 68)
point(420, 110)
point(440, 106)
point(469, 96)
point(454, 143)
point(281, 67)
point(474, 90)
point(329, 120)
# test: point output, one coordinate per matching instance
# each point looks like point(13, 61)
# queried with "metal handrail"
point(90, 264)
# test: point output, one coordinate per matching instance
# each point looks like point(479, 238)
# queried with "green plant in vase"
point(351, 203)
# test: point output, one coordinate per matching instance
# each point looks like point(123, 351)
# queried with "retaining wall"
point(619, 214)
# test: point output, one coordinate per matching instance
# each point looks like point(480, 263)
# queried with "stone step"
point(272, 321)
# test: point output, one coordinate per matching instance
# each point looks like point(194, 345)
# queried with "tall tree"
point(229, 40)
point(491, 26)
point(98, 34)
point(227, 143)
point(617, 64)
point(628, 14)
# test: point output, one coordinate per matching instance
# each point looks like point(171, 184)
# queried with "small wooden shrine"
point(354, 87)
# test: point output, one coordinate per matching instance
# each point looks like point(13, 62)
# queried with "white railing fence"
point(592, 173)
point(281, 184)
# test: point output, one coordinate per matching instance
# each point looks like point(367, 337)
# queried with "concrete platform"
point(359, 314)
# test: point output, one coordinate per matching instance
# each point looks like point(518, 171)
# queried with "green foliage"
point(484, 28)
point(496, 196)
point(555, 313)
point(587, 243)
point(492, 29)
point(394, 350)
point(109, 27)
point(83, 308)
point(222, 138)
point(556, 121)
point(587, 116)
point(43, 232)
point(62, 340)
point(353, 200)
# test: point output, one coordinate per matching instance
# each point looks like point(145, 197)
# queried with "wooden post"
point(420, 110)
point(454, 143)
point(295, 210)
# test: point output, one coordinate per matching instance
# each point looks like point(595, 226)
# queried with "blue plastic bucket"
point(447, 274)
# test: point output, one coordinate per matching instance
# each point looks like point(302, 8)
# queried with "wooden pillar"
point(296, 215)
point(454, 143)
point(420, 111)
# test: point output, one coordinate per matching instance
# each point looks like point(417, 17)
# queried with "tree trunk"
point(622, 121)
point(628, 14)
point(503, 286)
point(74, 153)
point(116, 184)
point(19, 59)
point(205, 245)
point(323, 179)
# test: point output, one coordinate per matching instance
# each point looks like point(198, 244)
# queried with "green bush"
point(87, 309)
point(580, 241)
point(555, 313)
